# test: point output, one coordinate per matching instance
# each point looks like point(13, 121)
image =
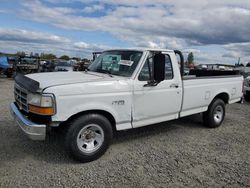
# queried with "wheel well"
point(106, 114)
point(223, 96)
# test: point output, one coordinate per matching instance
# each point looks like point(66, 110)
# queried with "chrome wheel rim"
point(218, 114)
point(90, 138)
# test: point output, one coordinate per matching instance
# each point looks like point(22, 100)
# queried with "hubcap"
point(90, 138)
point(218, 114)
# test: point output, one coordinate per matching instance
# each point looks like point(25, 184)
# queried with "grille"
point(21, 98)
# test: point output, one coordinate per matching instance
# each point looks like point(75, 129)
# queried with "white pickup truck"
point(122, 89)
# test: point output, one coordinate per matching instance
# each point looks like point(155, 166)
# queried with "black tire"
point(212, 119)
point(247, 97)
point(80, 124)
point(9, 75)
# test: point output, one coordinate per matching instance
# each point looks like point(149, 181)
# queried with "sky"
point(216, 31)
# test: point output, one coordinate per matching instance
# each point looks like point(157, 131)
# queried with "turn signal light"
point(41, 110)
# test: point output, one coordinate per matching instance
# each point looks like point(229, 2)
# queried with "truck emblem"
point(121, 102)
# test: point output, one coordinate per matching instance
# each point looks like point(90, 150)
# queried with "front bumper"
point(32, 130)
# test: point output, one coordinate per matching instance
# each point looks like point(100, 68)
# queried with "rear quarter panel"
point(199, 92)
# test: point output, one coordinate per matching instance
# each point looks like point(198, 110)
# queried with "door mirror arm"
point(151, 83)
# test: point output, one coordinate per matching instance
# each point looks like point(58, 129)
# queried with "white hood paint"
point(62, 78)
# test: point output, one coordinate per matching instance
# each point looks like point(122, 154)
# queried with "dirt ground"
point(180, 153)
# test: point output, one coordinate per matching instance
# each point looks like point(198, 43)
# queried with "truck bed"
point(198, 92)
point(202, 73)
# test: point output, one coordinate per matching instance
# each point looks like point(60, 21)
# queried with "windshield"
point(27, 60)
point(116, 62)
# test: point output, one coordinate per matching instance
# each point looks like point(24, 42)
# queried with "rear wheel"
point(215, 114)
point(247, 96)
point(88, 137)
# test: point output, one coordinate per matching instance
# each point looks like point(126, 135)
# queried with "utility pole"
point(239, 61)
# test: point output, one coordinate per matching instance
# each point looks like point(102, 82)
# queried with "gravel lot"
point(174, 154)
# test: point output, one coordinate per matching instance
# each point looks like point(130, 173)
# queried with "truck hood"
point(61, 78)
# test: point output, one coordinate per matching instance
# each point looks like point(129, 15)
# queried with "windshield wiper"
point(108, 73)
point(105, 72)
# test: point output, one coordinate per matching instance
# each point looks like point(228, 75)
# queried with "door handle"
point(174, 86)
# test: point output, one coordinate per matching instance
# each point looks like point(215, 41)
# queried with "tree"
point(47, 56)
point(65, 57)
point(76, 58)
point(85, 60)
point(36, 54)
point(19, 53)
point(190, 58)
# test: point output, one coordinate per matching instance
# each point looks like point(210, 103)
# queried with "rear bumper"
point(32, 130)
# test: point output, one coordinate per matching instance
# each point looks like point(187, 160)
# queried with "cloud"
point(81, 45)
point(93, 8)
point(238, 50)
point(180, 3)
point(12, 40)
point(90, 47)
point(231, 54)
point(3, 11)
point(241, 48)
point(20, 35)
point(191, 50)
point(189, 23)
point(182, 24)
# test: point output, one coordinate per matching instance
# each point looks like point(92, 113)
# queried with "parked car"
point(186, 71)
point(247, 88)
point(27, 64)
point(122, 89)
point(6, 65)
point(63, 66)
point(80, 66)
point(48, 66)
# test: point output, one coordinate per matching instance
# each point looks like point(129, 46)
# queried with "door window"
point(146, 73)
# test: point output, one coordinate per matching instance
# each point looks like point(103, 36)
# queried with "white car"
point(122, 89)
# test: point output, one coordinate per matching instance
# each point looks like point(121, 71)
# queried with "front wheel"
point(215, 114)
point(88, 137)
point(9, 75)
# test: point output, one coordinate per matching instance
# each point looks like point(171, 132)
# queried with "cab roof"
point(141, 49)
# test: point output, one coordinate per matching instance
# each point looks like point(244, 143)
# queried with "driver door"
point(154, 104)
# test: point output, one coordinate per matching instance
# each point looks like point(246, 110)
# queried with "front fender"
point(87, 107)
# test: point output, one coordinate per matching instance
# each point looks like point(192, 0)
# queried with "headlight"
point(41, 104)
point(45, 100)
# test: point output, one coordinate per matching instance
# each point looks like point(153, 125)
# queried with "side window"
point(147, 69)
point(168, 68)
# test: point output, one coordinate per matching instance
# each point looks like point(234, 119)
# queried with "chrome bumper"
point(32, 130)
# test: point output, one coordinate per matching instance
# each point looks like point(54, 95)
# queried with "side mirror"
point(159, 67)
